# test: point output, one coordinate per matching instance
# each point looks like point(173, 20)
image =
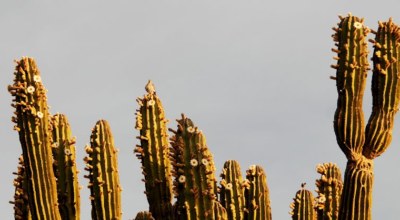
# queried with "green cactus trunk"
point(21, 203)
point(153, 152)
point(256, 193)
point(102, 165)
point(302, 206)
point(33, 125)
point(65, 168)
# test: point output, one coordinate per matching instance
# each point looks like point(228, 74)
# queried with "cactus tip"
point(150, 87)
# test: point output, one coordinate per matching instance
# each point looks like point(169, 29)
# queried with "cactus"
point(33, 125)
point(257, 194)
point(65, 168)
point(193, 172)
point(329, 189)
point(232, 191)
point(144, 215)
point(303, 205)
point(21, 206)
point(153, 152)
point(101, 163)
point(359, 146)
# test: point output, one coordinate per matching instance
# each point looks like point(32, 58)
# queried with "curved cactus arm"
point(302, 207)
point(153, 152)
point(385, 89)
point(65, 168)
point(33, 125)
point(193, 171)
point(21, 204)
point(101, 162)
point(232, 190)
point(256, 194)
point(329, 189)
point(144, 215)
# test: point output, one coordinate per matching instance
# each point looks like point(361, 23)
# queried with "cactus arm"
point(193, 171)
point(32, 123)
point(351, 73)
point(385, 89)
point(101, 163)
point(232, 191)
point(153, 152)
point(21, 203)
point(65, 168)
point(144, 215)
point(302, 206)
point(257, 194)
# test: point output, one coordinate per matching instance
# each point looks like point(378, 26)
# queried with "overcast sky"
point(253, 75)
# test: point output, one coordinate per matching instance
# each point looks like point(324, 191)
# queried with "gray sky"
point(253, 75)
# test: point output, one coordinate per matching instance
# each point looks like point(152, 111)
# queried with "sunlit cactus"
point(65, 168)
point(21, 206)
point(361, 145)
point(256, 194)
point(193, 172)
point(144, 215)
point(33, 125)
point(102, 165)
point(329, 189)
point(232, 190)
point(302, 207)
point(153, 152)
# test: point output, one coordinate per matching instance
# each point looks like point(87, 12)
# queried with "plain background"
point(253, 75)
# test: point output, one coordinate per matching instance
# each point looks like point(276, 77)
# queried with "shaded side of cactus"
point(101, 162)
point(144, 215)
point(21, 204)
point(33, 125)
point(153, 152)
point(220, 212)
point(256, 194)
point(65, 168)
point(232, 191)
point(193, 172)
point(303, 205)
point(329, 189)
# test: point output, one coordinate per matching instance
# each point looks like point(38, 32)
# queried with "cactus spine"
point(329, 189)
point(232, 191)
point(21, 206)
point(194, 178)
point(359, 146)
point(101, 163)
point(65, 168)
point(33, 125)
point(257, 194)
point(153, 152)
point(303, 205)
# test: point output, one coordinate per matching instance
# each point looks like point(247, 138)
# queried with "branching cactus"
point(65, 168)
point(303, 205)
point(101, 163)
point(144, 215)
point(361, 145)
point(329, 189)
point(232, 190)
point(256, 194)
point(33, 125)
point(153, 152)
point(193, 172)
point(21, 206)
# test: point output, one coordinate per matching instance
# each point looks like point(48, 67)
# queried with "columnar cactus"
point(65, 168)
point(232, 190)
point(362, 145)
point(329, 189)
point(33, 125)
point(144, 215)
point(193, 171)
point(21, 206)
point(256, 194)
point(153, 152)
point(303, 205)
point(101, 163)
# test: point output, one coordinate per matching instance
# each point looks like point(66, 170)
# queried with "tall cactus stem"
point(21, 204)
point(303, 205)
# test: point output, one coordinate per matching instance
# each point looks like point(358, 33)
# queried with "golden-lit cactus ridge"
point(21, 204)
point(102, 165)
point(153, 152)
point(144, 215)
point(33, 125)
point(256, 194)
point(302, 207)
point(329, 189)
point(65, 168)
point(232, 190)
point(193, 172)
